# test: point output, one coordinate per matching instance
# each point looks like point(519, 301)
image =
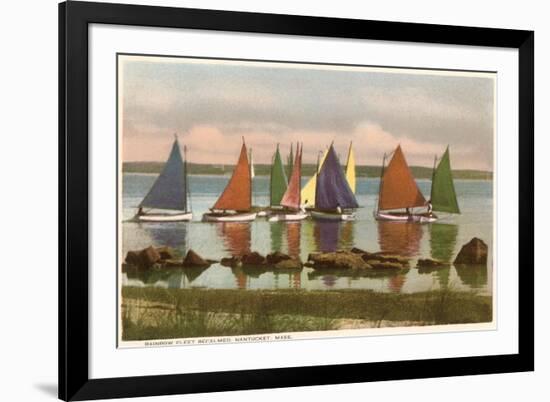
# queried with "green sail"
point(443, 197)
point(278, 180)
point(290, 162)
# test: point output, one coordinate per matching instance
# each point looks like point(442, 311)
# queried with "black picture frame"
point(74, 18)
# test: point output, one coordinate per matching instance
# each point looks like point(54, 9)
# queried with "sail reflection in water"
point(400, 238)
point(442, 246)
point(172, 234)
point(276, 232)
point(333, 235)
point(293, 233)
point(236, 237)
point(475, 276)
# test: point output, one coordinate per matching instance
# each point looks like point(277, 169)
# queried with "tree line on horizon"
point(420, 172)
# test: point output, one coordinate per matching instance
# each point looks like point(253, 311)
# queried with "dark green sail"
point(289, 162)
point(278, 179)
point(443, 197)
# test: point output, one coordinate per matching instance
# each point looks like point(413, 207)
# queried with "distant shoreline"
point(419, 172)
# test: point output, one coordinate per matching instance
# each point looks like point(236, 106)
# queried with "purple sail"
point(332, 190)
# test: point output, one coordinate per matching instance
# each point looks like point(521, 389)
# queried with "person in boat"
point(408, 211)
point(430, 207)
point(338, 209)
point(140, 211)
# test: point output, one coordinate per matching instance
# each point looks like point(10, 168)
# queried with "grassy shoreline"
point(157, 313)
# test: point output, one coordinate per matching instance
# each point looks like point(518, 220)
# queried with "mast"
point(380, 182)
point(252, 174)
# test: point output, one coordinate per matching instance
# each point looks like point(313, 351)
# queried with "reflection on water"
point(293, 238)
point(396, 282)
point(332, 236)
point(441, 241)
point(442, 245)
point(171, 234)
point(236, 236)
point(473, 275)
point(400, 237)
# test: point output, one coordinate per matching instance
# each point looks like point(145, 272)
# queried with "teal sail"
point(443, 195)
point(278, 180)
point(169, 191)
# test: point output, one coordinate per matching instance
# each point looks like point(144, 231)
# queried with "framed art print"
point(257, 200)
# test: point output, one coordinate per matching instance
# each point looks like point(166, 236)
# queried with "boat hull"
point(332, 216)
point(404, 217)
point(290, 217)
point(236, 217)
point(181, 217)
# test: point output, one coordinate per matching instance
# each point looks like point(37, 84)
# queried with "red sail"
point(398, 188)
point(291, 197)
point(237, 194)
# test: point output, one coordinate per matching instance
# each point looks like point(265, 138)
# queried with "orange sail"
point(291, 197)
point(398, 188)
point(237, 195)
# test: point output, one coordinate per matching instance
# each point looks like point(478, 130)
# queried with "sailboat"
point(399, 190)
point(334, 199)
point(443, 194)
point(235, 203)
point(292, 210)
point(308, 191)
point(169, 192)
point(277, 183)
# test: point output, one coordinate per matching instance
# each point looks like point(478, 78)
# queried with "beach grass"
point(158, 313)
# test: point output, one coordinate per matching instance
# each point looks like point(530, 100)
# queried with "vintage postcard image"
point(261, 201)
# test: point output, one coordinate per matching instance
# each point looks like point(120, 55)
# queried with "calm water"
point(441, 240)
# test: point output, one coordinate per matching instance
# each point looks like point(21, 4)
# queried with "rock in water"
point(192, 259)
point(385, 265)
point(276, 257)
point(473, 252)
point(290, 263)
point(431, 263)
point(148, 257)
point(132, 258)
point(338, 260)
point(232, 261)
point(166, 253)
point(253, 258)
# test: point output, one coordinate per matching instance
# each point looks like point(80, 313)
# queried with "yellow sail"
point(308, 192)
point(350, 169)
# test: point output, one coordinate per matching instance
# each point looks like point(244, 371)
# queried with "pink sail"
point(291, 198)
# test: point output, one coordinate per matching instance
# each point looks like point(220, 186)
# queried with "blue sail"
point(170, 189)
point(332, 188)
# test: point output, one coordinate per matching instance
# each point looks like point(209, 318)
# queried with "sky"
point(212, 104)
